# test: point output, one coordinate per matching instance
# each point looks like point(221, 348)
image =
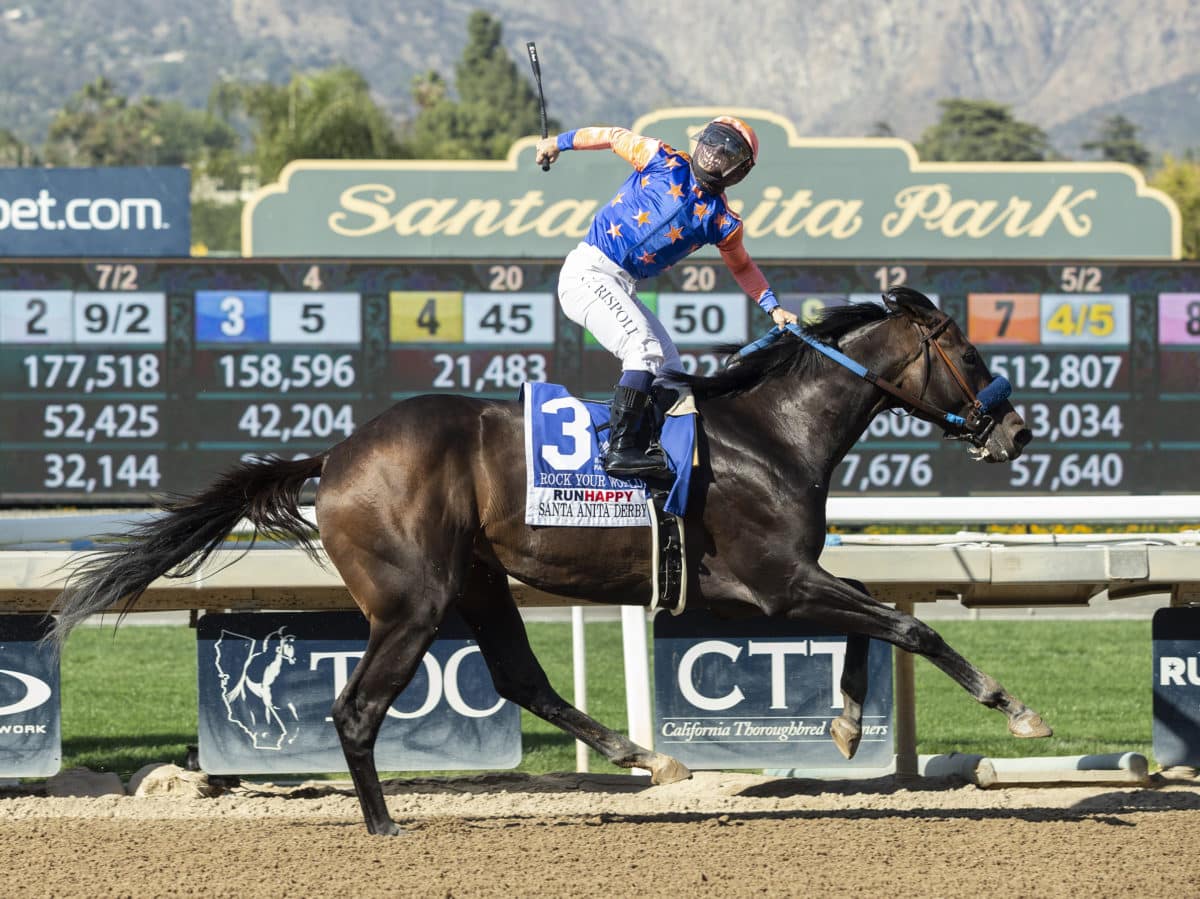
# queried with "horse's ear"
point(912, 303)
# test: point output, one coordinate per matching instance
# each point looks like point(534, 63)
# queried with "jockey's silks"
point(660, 214)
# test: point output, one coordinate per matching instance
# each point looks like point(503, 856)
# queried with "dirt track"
point(571, 835)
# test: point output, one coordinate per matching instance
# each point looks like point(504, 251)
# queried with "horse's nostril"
point(1022, 437)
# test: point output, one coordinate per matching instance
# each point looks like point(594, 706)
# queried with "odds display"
point(125, 380)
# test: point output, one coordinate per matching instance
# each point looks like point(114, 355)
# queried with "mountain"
point(835, 69)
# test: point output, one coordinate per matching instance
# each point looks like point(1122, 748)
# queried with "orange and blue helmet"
point(726, 150)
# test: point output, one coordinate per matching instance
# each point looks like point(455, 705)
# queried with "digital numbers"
point(713, 318)
point(509, 318)
point(479, 374)
point(120, 318)
point(297, 421)
point(1045, 471)
point(255, 316)
point(895, 471)
point(1070, 371)
point(699, 278)
point(887, 426)
point(78, 472)
point(1179, 319)
point(890, 276)
point(81, 318)
point(434, 316)
point(704, 364)
point(1080, 279)
point(272, 371)
point(1071, 421)
point(88, 373)
point(116, 276)
point(123, 421)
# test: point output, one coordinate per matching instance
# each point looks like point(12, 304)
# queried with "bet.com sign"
point(267, 683)
point(759, 692)
point(143, 212)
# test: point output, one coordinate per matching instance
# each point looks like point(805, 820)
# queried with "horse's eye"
point(971, 356)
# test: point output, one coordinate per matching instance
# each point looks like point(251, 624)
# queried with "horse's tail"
point(264, 491)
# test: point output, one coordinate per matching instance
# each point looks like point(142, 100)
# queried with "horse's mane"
point(791, 356)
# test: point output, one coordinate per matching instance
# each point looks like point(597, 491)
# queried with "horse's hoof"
point(387, 829)
point(1028, 724)
point(666, 770)
point(846, 735)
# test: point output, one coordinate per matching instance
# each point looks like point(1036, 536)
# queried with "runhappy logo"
point(45, 213)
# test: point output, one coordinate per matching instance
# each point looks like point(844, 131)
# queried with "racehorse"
point(422, 510)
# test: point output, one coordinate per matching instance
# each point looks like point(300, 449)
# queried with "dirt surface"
point(612, 835)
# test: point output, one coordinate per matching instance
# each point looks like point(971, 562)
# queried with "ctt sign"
point(1175, 634)
point(30, 720)
point(758, 692)
point(101, 212)
point(268, 682)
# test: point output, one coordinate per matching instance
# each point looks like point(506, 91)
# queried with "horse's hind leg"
point(489, 609)
point(394, 651)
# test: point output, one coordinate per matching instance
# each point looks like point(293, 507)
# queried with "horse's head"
point(945, 371)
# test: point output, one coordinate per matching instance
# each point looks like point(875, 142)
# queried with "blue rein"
point(991, 396)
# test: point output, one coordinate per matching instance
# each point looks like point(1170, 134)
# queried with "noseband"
point(978, 423)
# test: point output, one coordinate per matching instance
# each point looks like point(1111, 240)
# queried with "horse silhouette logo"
point(249, 670)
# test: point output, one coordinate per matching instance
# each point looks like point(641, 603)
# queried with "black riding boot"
point(629, 452)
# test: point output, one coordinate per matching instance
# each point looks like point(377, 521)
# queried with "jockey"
point(671, 206)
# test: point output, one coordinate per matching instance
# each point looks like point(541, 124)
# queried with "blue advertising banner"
point(30, 719)
point(759, 692)
point(143, 212)
point(268, 682)
point(1175, 635)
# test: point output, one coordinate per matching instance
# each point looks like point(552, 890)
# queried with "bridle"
point(978, 423)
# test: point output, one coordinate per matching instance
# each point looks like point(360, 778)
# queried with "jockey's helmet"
point(726, 150)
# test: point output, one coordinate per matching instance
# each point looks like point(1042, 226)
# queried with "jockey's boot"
point(630, 452)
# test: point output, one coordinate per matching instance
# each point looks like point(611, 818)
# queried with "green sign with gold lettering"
point(808, 198)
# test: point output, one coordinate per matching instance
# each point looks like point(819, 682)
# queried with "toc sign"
point(95, 212)
point(759, 692)
point(30, 721)
point(268, 682)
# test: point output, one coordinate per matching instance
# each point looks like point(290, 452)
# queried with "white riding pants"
point(601, 296)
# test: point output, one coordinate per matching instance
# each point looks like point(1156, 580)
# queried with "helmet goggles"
point(722, 157)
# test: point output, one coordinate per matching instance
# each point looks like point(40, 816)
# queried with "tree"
point(1180, 179)
point(100, 127)
point(326, 115)
point(1118, 142)
point(14, 152)
point(496, 102)
point(981, 131)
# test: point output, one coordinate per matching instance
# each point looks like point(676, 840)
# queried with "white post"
point(637, 677)
point(579, 656)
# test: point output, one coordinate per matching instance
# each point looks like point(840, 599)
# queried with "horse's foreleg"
point(492, 614)
point(821, 597)
point(846, 729)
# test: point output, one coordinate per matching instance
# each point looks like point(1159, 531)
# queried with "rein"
point(977, 423)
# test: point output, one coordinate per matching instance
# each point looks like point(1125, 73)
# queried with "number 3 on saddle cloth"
point(566, 485)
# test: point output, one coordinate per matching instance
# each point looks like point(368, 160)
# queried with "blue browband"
point(991, 396)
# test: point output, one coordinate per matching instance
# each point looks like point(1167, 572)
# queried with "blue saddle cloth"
point(566, 483)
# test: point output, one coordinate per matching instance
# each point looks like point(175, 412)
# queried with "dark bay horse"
point(422, 509)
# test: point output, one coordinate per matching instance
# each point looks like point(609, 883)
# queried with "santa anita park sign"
point(863, 198)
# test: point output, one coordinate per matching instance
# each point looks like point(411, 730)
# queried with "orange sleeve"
point(633, 148)
point(744, 270)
